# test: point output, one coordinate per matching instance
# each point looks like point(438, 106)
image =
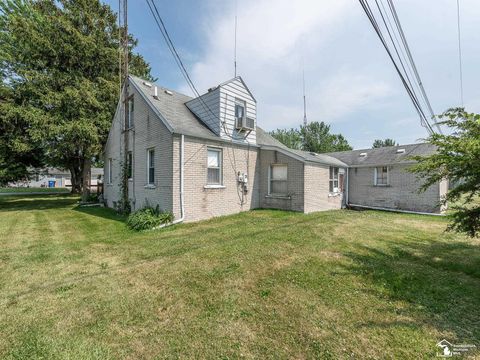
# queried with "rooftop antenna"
point(304, 97)
point(460, 52)
point(235, 49)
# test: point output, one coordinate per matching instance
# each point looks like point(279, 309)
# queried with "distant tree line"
point(314, 137)
point(378, 143)
point(59, 84)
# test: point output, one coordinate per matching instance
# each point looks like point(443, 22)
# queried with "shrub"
point(148, 218)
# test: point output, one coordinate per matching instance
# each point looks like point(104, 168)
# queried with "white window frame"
point(149, 152)
point(375, 176)
point(130, 164)
point(130, 108)
point(333, 179)
point(270, 179)
point(110, 169)
point(219, 151)
point(242, 103)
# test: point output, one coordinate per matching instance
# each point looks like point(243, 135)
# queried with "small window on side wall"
point(381, 176)
point(130, 107)
point(214, 166)
point(278, 179)
point(130, 165)
point(151, 166)
point(333, 180)
point(110, 169)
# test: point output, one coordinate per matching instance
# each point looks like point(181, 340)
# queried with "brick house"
point(205, 157)
point(378, 178)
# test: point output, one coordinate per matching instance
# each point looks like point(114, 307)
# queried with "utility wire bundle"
point(161, 25)
point(386, 24)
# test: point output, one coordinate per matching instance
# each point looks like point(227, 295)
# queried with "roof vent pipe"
point(155, 92)
point(363, 154)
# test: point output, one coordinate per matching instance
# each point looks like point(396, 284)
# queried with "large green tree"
point(314, 136)
point(60, 80)
point(458, 160)
point(378, 143)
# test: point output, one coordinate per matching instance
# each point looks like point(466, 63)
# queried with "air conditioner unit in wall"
point(244, 123)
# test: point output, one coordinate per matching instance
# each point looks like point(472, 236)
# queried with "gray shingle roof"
point(173, 110)
point(180, 120)
point(385, 155)
point(265, 139)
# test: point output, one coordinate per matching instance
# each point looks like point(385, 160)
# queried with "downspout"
point(346, 188)
point(182, 200)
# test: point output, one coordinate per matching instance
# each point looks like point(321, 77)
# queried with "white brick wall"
point(201, 202)
point(400, 194)
point(148, 132)
point(317, 195)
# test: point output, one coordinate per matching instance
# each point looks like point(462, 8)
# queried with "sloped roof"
point(172, 110)
point(385, 155)
point(265, 139)
point(178, 118)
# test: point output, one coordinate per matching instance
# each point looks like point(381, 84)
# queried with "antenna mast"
point(304, 97)
point(235, 49)
point(124, 110)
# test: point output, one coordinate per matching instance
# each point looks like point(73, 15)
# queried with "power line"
point(403, 75)
point(161, 25)
point(412, 62)
point(460, 52)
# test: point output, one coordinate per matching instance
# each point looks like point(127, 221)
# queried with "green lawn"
point(75, 283)
point(32, 190)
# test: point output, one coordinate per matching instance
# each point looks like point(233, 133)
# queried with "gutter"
point(394, 210)
point(182, 199)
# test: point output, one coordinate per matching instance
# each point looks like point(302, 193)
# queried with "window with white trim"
point(333, 180)
point(130, 165)
point(381, 176)
point(214, 166)
point(110, 167)
point(130, 111)
point(240, 112)
point(278, 179)
point(151, 166)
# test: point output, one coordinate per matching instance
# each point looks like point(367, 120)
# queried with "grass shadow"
point(37, 202)
point(103, 212)
point(440, 281)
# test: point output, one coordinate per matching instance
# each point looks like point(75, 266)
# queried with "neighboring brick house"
point(207, 157)
point(378, 178)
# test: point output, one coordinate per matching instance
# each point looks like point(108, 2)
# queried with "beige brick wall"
point(400, 194)
point(317, 195)
point(148, 133)
point(203, 203)
point(295, 177)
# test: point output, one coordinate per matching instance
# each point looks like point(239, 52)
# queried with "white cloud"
point(350, 80)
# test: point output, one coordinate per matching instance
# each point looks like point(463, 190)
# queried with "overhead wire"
point(403, 75)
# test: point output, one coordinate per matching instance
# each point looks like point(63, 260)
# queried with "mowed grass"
point(77, 284)
point(10, 190)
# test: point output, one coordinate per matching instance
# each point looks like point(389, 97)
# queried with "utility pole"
point(123, 27)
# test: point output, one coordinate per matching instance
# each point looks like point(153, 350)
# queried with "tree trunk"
point(87, 165)
point(76, 178)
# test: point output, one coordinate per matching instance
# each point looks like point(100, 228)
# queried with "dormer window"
point(239, 113)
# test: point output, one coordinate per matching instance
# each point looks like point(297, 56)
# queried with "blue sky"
point(350, 82)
